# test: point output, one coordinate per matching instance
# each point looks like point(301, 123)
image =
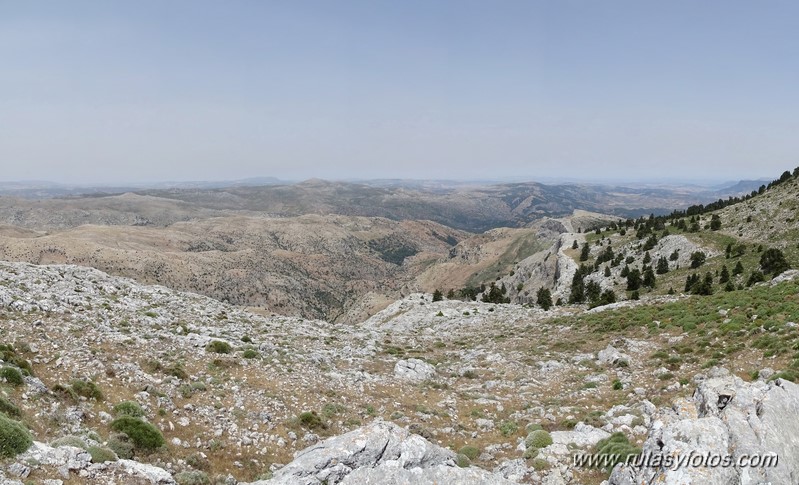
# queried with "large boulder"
point(380, 453)
point(725, 417)
point(414, 370)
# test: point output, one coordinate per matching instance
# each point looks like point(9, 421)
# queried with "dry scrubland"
point(120, 382)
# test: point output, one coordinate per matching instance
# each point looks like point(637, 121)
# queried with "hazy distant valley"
point(317, 249)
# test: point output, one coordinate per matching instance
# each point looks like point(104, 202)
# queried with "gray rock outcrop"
point(414, 370)
point(728, 417)
point(383, 453)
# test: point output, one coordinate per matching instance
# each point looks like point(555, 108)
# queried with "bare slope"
point(310, 265)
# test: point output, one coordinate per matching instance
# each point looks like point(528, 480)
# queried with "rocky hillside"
point(119, 382)
point(311, 266)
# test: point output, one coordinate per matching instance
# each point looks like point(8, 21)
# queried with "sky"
point(123, 92)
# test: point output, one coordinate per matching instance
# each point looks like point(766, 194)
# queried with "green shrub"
point(508, 428)
point(193, 477)
point(540, 464)
point(250, 354)
point(12, 375)
point(143, 435)
point(471, 452)
point(463, 461)
point(129, 408)
point(120, 444)
point(87, 389)
point(9, 408)
point(533, 427)
point(74, 441)
point(617, 385)
point(9, 355)
point(219, 347)
point(101, 455)
point(14, 437)
point(177, 370)
point(788, 375)
point(530, 453)
point(198, 461)
point(617, 448)
point(310, 420)
point(538, 439)
point(331, 409)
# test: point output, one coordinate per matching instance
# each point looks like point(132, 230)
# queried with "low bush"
point(616, 448)
point(129, 408)
point(471, 452)
point(73, 441)
point(12, 375)
point(193, 477)
point(101, 455)
point(14, 437)
point(87, 389)
point(142, 434)
point(9, 408)
point(538, 439)
point(310, 420)
point(508, 428)
point(120, 444)
point(219, 347)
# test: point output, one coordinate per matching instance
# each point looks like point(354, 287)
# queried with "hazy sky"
point(113, 91)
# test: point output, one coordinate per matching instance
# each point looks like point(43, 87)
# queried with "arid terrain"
point(181, 351)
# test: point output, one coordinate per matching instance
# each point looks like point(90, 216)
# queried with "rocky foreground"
point(422, 392)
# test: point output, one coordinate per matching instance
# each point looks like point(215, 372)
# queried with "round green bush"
point(12, 375)
point(311, 420)
point(531, 453)
point(472, 452)
point(87, 389)
point(101, 455)
point(219, 347)
point(74, 441)
point(143, 435)
point(129, 408)
point(192, 478)
point(463, 461)
point(250, 354)
point(533, 427)
point(538, 439)
point(120, 444)
point(14, 437)
point(9, 408)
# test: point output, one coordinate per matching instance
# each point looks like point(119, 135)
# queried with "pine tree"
point(649, 278)
point(607, 271)
point(738, 269)
point(725, 275)
point(633, 279)
point(575, 245)
point(773, 262)
point(647, 258)
point(663, 266)
point(437, 295)
point(544, 298)
point(585, 252)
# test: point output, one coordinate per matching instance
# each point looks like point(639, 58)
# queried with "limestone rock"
point(414, 370)
point(381, 452)
point(729, 417)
